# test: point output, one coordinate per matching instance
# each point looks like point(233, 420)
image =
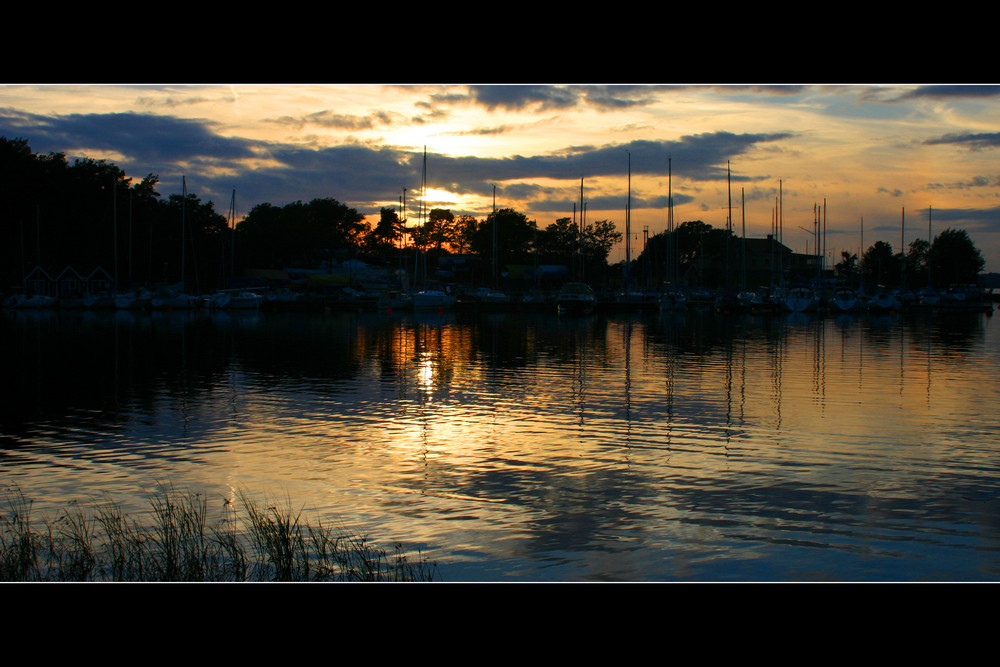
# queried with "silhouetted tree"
point(701, 251)
point(847, 268)
point(954, 258)
point(598, 240)
point(915, 263)
point(559, 241)
point(879, 266)
point(440, 228)
point(465, 227)
point(382, 242)
point(299, 234)
point(514, 239)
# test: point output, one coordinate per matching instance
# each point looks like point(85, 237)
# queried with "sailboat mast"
point(232, 235)
point(671, 250)
point(130, 239)
point(38, 234)
point(628, 226)
point(420, 219)
point(583, 222)
point(928, 246)
point(579, 238)
point(781, 234)
point(729, 216)
point(743, 215)
point(902, 245)
point(816, 248)
point(114, 218)
point(494, 236)
point(183, 204)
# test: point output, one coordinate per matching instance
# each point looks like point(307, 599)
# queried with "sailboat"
point(673, 299)
point(576, 299)
point(173, 296)
point(139, 298)
point(233, 298)
point(425, 298)
point(883, 300)
point(30, 301)
point(845, 300)
point(431, 299)
point(32, 298)
point(799, 299)
point(765, 302)
point(929, 296)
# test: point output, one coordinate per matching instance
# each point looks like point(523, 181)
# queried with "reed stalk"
point(266, 541)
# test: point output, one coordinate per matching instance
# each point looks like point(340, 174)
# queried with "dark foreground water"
point(537, 448)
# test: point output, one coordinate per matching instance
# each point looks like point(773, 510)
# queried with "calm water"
point(532, 447)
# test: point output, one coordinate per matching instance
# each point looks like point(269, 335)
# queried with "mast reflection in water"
point(514, 446)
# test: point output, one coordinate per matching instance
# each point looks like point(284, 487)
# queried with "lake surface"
point(534, 447)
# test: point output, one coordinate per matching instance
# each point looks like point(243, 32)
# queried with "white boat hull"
point(432, 300)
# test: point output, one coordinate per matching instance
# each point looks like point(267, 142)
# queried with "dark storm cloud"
point(356, 172)
point(971, 141)
point(516, 97)
point(549, 98)
point(613, 202)
point(971, 219)
point(698, 157)
point(141, 138)
point(614, 98)
point(358, 175)
point(957, 90)
point(985, 220)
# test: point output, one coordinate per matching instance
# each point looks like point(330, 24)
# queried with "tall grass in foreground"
point(264, 542)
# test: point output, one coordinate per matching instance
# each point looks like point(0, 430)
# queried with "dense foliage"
point(89, 214)
point(695, 253)
point(299, 234)
point(950, 259)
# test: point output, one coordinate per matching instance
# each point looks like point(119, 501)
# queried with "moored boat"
point(800, 300)
point(845, 300)
point(883, 301)
point(576, 299)
point(764, 303)
point(169, 298)
point(929, 296)
point(432, 299)
point(672, 300)
point(140, 298)
point(30, 301)
point(483, 297)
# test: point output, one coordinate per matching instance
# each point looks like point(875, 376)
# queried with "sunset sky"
point(884, 154)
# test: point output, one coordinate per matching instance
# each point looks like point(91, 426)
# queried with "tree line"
point(950, 259)
point(695, 253)
point(90, 214)
point(304, 234)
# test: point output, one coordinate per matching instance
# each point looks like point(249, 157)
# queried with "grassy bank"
point(250, 541)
